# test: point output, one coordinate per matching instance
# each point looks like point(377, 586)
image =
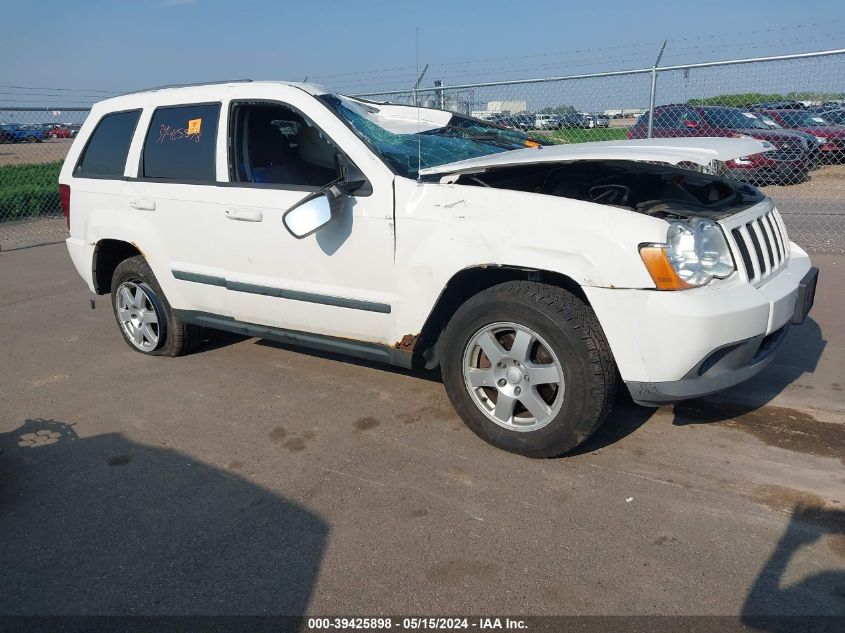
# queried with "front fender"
point(443, 229)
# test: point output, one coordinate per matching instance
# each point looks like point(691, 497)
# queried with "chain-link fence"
point(33, 145)
point(796, 103)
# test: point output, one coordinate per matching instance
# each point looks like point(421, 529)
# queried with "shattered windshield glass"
point(407, 137)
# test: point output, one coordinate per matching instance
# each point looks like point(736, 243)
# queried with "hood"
point(828, 131)
point(664, 150)
point(772, 134)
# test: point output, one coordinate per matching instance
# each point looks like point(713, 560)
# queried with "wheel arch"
point(108, 253)
point(465, 284)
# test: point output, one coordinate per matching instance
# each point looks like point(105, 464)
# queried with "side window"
point(105, 154)
point(272, 144)
point(180, 144)
point(690, 119)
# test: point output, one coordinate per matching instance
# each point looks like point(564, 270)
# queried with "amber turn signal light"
point(661, 270)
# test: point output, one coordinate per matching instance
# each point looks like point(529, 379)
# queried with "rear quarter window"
point(180, 144)
point(105, 154)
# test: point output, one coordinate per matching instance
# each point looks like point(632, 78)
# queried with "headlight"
point(695, 252)
point(821, 140)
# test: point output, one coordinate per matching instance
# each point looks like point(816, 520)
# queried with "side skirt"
point(347, 347)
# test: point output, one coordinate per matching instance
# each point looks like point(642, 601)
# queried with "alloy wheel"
point(513, 376)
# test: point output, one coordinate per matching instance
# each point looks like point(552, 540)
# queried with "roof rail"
point(200, 83)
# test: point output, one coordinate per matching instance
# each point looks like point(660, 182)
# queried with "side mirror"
point(352, 182)
point(309, 216)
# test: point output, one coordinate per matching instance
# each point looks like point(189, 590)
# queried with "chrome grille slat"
point(776, 238)
point(760, 244)
point(782, 228)
point(769, 238)
point(758, 250)
point(755, 265)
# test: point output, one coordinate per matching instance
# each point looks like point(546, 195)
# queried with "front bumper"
point(670, 346)
point(724, 367)
point(772, 173)
point(730, 364)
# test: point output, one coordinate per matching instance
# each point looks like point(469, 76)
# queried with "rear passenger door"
point(175, 192)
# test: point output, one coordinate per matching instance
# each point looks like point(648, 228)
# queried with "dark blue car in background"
point(13, 133)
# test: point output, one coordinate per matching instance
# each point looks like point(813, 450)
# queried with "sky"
point(91, 48)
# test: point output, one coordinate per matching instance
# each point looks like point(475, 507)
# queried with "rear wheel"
point(527, 367)
point(146, 320)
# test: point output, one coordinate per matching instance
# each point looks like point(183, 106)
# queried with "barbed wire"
point(652, 45)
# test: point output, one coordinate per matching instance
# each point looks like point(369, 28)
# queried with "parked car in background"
point(535, 279)
point(573, 120)
point(74, 128)
point(787, 162)
point(58, 132)
point(835, 116)
point(812, 142)
point(595, 120)
point(547, 122)
point(515, 121)
point(16, 133)
point(788, 104)
point(830, 138)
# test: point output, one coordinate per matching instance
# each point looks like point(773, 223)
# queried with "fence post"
point(654, 89)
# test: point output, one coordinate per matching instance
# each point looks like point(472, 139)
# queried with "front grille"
point(762, 245)
point(788, 149)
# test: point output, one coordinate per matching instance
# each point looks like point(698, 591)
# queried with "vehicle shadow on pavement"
point(624, 419)
point(776, 605)
point(798, 355)
point(211, 340)
point(102, 525)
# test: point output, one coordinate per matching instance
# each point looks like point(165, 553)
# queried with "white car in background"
point(547, 122)
point(533, 276)
point(596, 120)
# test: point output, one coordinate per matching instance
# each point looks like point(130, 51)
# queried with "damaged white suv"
point(533, 276)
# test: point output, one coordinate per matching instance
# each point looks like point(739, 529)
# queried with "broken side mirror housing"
point(353, 182)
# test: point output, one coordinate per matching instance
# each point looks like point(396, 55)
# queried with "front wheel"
point(147, 322)
point(528, 369)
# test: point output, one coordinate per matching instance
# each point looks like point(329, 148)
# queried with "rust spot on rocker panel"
point(408, 342)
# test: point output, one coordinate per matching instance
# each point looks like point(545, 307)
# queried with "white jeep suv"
point(534, 276)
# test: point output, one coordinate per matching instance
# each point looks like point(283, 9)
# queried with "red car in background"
point(831, 138)
point(58, 132)
point(789, 161)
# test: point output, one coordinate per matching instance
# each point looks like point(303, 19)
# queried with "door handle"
point(143, 204)
point(244, 215)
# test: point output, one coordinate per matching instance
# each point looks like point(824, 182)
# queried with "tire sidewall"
point(574, 420)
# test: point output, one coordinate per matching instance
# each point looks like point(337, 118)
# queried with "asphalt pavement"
point(255, 478)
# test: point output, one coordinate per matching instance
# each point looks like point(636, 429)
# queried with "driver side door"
point(336, 282)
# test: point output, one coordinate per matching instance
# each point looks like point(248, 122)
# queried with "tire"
point(172, 336)
point(568, 346)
